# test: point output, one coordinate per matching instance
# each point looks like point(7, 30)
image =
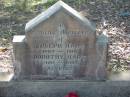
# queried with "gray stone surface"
point(60, 44)
point(60, 5)
point(61, 88)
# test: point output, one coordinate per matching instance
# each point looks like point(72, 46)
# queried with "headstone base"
point(62, 88)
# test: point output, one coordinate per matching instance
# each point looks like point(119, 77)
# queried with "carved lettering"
point(59, 56)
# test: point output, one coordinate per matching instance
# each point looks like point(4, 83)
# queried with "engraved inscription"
point(57, 56)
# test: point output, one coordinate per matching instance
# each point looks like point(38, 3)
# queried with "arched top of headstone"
point(60, 5)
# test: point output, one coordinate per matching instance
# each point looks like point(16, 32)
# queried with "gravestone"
point(60, 54)
point(60, 44)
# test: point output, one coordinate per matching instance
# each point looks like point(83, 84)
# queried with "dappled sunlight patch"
point(120, 76)
point(6, 67)
point(6, 76)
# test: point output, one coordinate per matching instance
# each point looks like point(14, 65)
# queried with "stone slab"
point(60, 44)
point(18, 38)
point(61, 88)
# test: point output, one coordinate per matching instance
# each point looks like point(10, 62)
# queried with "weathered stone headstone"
point(61, 44)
